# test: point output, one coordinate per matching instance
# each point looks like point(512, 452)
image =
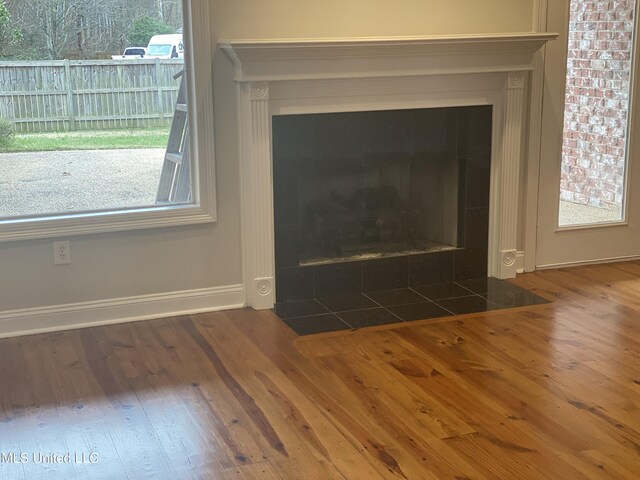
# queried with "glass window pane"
point(594, 154)
point(93, 103)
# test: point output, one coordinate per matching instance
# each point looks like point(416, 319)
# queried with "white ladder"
point(175, 179)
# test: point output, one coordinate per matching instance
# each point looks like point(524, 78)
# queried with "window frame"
point(203, 209)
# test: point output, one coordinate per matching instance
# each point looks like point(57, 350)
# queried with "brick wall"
point(597, 101)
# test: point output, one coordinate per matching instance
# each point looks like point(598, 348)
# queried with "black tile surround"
point(302, 147)
point(308, 282)
point(360, 310)
point(392, 288)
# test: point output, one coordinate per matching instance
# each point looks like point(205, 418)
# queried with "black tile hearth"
point(419, 311)
point(368, 318)
point(440, 291)
point(302, 308)
point(400, 296)
point(471, 304)
point(317, 324)
point(345, 303)
point(421, 302)
point(481, 285)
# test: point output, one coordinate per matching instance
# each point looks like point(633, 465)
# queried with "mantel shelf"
point(282, 59)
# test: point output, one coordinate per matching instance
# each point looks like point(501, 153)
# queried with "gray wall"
point(236, 19)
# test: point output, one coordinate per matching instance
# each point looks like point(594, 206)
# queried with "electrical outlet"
point(61, 253)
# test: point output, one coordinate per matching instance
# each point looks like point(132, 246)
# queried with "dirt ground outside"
point(36, 183)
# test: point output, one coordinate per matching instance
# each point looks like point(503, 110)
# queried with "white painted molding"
point(598, 261)
point(540, 12)
point(540, 15)
point(278, 78)
point(120, 310)
point(101, 222)
point(520, 257)
point(260, 60)
point(257, 180)
point(200, 96)
point(512, 153)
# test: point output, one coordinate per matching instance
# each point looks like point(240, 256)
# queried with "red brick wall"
point(597, 101)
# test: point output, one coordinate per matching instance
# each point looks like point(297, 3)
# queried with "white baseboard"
point(119, 310)
point(588, 262)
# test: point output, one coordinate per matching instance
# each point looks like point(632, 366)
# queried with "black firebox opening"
point(393, 208)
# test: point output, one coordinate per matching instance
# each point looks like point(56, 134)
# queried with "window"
point(597, 106)
point(100, 127)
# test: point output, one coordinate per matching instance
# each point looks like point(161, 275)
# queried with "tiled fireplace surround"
point(355, 148)
point(278, 78)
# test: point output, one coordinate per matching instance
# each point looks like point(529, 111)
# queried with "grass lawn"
point(89, 140)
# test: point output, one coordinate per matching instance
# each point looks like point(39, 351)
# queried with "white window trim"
point(197, 25)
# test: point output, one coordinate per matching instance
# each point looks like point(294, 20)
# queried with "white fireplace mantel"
point(362, 57)
point(277, 77)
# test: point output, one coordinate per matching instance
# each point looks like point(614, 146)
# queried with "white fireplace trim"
point(295, 77)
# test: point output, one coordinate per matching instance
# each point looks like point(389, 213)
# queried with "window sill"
point(27, 228)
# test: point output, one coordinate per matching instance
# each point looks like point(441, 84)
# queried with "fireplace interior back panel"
point(368, 201)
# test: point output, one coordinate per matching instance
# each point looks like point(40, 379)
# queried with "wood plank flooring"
point(543, 392)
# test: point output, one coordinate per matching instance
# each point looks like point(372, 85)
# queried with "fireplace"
point(363, 202)
point(402, 195)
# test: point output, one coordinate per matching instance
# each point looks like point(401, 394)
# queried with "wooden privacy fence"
point(88, 95)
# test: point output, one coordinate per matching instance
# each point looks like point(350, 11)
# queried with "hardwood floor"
point(550, 391)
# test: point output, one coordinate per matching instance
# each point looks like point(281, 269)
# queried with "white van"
point(165, 46)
